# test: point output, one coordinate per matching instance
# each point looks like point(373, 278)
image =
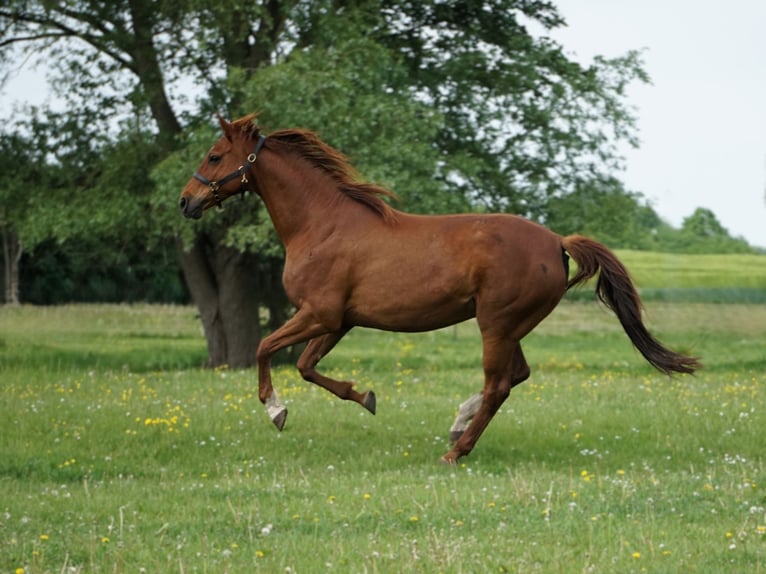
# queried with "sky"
point(702, 121)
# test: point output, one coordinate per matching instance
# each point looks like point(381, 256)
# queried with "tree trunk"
point(12, 251)
point(147, 68)
point(222, 282)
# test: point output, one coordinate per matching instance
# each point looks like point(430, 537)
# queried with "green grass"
point(676, 270)
point(120, 454)
point(726, 278)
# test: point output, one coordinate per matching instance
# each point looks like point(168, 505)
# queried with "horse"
point(353, 260)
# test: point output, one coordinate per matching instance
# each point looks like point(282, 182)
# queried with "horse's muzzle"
point(190, 209)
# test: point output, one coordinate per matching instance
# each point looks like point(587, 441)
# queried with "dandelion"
point(43, 537)
point(760, 529)
point(414, 518)
point(260, 553)
point(19, 571)
point(104, 540)
point(367, 496)
point(636, 555)
point(331, 499)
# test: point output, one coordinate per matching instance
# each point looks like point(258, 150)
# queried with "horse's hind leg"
point(504, 367)
point(468, 409)
point(315, 350)
point(465, 413)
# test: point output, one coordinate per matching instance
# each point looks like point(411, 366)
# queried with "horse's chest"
point(310, 272)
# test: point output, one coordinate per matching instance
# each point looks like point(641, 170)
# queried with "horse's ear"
point(225, 127)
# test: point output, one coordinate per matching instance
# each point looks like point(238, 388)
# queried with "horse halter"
point(240, 172)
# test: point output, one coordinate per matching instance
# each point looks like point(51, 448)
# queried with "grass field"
point(120, 454)
point(679, 270)
point(720, 278)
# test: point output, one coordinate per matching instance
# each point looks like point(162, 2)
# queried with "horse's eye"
point(214, 159)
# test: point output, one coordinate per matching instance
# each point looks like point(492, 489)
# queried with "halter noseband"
point(241, 172)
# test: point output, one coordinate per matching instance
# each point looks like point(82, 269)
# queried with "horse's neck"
point(298, 201)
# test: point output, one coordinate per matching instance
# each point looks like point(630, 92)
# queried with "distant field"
point(120, 454)
point(695, 278)
point(672, 270)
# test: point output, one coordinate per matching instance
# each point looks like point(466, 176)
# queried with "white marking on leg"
point(274, 406)
point(466, 411)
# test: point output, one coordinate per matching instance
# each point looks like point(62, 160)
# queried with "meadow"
point(120, 453)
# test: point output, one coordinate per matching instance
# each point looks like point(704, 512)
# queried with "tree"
point(603, 210)
point(20, 161)
point(701, 232)
point(703, 223)
point(455, 104)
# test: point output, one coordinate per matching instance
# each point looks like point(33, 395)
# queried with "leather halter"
point(240, 172)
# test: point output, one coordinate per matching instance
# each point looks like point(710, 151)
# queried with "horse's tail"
point(616, 290)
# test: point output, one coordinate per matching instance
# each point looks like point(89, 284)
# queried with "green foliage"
point(78, 271)
point(493, 113)
point(120, 454)
point(605, 212)
point(364, 110)
point(21, 161)
point(624, 221)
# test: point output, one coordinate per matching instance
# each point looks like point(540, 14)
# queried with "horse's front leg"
point(318, 348)
point(301, 327)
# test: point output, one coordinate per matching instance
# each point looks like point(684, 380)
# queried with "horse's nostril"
point(182, 203)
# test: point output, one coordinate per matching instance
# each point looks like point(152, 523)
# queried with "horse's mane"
point(307, 145)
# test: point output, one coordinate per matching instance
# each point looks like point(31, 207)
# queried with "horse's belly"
point(407, 313)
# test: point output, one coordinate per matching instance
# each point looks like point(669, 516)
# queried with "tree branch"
point(65, 31)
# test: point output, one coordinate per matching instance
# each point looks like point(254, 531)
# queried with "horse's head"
point(224, 171)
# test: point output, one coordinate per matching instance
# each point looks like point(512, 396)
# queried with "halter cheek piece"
point(241, 172)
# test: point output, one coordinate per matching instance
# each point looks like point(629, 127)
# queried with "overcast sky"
point(702, 121)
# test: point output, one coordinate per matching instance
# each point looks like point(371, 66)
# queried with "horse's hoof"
point(370, 402)
point(455, 435)
point(449, 459)
point(279, 419)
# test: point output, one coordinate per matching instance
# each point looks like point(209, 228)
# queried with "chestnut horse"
point(353, 260)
